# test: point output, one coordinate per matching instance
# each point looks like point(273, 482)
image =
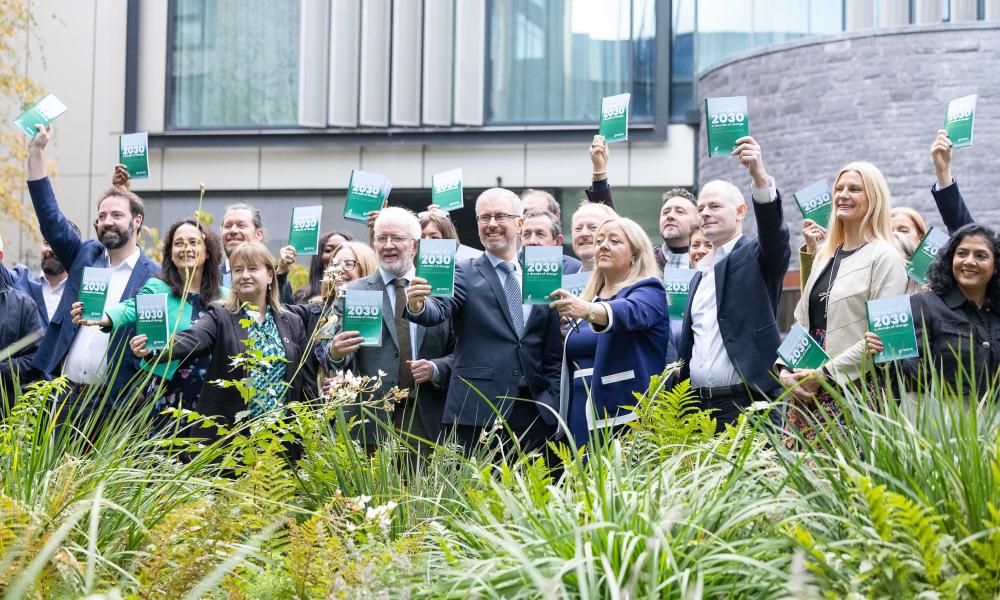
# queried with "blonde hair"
point(914, 216)
point(643, 260)
point(254, 254)
point(366, 257)
point(876, 222)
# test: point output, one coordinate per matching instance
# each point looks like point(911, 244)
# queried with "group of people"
point(561, 370)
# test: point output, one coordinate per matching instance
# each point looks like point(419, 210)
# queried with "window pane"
point(553, 60)
point(235, 63)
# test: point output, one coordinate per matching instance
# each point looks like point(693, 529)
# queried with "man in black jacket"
point(20, 330)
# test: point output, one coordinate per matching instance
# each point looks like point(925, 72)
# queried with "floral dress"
point(269, 377)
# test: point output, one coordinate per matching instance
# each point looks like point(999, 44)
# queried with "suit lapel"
point(140, 273)
point(490, 274)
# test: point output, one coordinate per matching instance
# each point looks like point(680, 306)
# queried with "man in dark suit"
point(542, 228)
point(507, 355)
point(98, 366)
point(411, 356)
point(729, 339)
point(46, 290)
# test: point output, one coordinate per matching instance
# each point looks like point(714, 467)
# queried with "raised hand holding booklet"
point(800, 350)
point(677, 282)
point(366, 192)
point(892, 320)
point(446, 190)
point(614, 118)
point(924, 255)
point(436, 264)
point(94, 292)
point(43, 113)
point(542, 273)
point(151, 320)
point(725, 122)
point(816, 202)
point(363, 313)
point(958, 121)
point(575, 283)
point(133, 152)
point(304, 232)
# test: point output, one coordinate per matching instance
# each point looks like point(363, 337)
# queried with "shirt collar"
point(955, 299)
point(130, 261)
point(58, 286)
point(387, 277)
point(496, 260)
point(721, 252)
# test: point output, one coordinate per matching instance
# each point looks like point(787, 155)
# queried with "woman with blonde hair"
point(620, 333)
point(857, 263)
point(356, 260)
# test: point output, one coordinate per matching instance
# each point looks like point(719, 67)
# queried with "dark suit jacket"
point(75, 254)
point(489, 357)
point(570, 265)
point(18, 320)
point(20, 278)
point(435, 343)
point(952, 207)
point(748, 286)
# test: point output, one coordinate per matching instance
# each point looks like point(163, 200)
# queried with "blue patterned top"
point(268, 379)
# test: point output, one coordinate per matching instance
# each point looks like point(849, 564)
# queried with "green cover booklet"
point(958, 120)
point(892, 320)
point(575, 283)
point(43, 113)
point(94, 292)
point(816, 202)
point(678, 283)
point(725, 122)
point(133, 152)
point(446, 190)
point(436, 264)
point(614, 118)
point(363, 313)
point(924, 255)
point(542, 273)
point(304, 232)
point(800, 351)
point(151, 320)
point(366, 192)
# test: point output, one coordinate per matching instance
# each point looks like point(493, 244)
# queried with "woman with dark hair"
point(191, 279)
point(435, 224)
point(960, 316)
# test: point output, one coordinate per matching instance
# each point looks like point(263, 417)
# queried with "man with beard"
point(97, 365)
point(678, 216)
point(411, 356)
point(47, 289)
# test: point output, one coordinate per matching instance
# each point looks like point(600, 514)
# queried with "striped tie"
point(512, 289)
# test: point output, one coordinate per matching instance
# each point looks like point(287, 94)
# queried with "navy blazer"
point(75, 254)
point(489, 358)
point(951, 205)
point(748, 284)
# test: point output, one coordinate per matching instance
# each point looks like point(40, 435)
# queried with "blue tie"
point(512, 289)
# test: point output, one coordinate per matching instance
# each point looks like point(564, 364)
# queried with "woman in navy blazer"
point(618, 339)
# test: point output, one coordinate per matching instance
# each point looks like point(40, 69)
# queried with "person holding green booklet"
point(435, 224)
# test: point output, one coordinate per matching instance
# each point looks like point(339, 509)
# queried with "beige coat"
point(875, 271)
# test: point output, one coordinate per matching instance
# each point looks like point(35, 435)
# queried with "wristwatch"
point(591, 313)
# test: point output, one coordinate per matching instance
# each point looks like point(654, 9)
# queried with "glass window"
point(234, 63)
point(552, 61)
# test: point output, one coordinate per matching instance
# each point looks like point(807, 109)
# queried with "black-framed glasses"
point(500, 217)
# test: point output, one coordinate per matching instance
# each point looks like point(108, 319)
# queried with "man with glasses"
point(507, 354)
point(411, 356)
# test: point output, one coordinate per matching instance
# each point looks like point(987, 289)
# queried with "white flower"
point(362, 501)
point(759, 405)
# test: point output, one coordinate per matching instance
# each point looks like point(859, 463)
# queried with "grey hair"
point(401, 216)
point(255, 217)
point(555, 227)
point(515, 201)
point(725, 189)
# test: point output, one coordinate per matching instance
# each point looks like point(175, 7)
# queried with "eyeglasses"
point(383, 239)
point(348, 264)
point(500, 217)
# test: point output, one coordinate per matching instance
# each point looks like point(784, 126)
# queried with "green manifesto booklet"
point(366, 192)
point(614, 118)
point(542, 273)
point(958, 120)
point(816, 202)
point(678, 283)
point(43, 113)
point(304, 232)
point(924, 255)
point(133, 152)
point(800, 350)
point(363, 313)
point(446, 190)
point(94, 292)
point(726, 121)
point(892, 320)
point(151, 320)
point(436, 264)
point(575, 283)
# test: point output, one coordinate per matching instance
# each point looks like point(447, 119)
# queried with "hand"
point(138, 346)
point(121, 177)
point(941, 155)
point(416, 293)
point(599, 157)
point(568, 305)
point(813, 234)
point(802, 382)
point(423, 370)
point(752, 157)
point(286, 258)
point(873, 344)
point(36, 152)
point(77, 313)
point(434, 207)
point(344, 344)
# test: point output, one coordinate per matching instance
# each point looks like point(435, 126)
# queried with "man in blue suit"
point(99, 366)
point(506, 353)
point(45, 290)
point(729, 339)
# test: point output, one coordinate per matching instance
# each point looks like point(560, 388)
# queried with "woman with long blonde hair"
point(620, 331)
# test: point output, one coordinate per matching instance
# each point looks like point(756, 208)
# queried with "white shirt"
point(496, 260)
point(52, 295)
point(387, 278)
point(86, 362)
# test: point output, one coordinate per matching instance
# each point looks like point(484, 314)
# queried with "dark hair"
point(211, 278)
point(679, 193)
point(441, 221)
point(317, 266)
point(135, 203)
point(940, 276)
point(554, 225)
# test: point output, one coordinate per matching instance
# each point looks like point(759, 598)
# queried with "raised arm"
point(949, 200)
point(599, 190)
point(56, 230)
point(772, 232)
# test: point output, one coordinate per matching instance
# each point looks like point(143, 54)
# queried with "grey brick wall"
point(877, 96)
